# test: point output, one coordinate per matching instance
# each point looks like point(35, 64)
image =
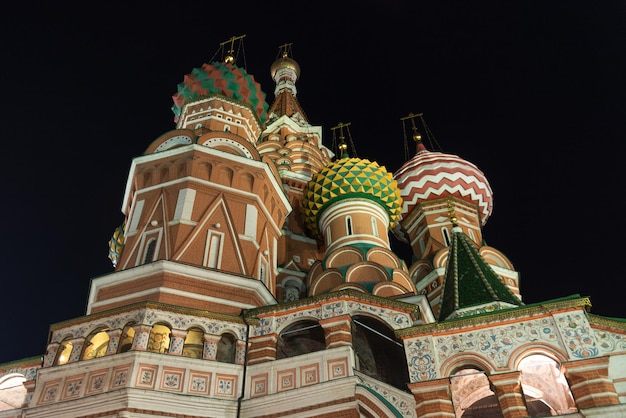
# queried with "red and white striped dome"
point(433, 175)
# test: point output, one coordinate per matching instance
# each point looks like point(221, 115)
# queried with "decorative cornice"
point(500, 316)
point(148, 305)
point(332, 296)
point(615, 323)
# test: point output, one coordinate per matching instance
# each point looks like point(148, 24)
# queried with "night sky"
point(532, 92)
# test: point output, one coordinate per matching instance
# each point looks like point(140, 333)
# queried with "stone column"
point(337, 331)
point(114, 341)
point(508, 389)
point(209, 351)
point(240, 352)
point(142, 335)
point(51, 354)
point(590, 383)
point(177, 341)
point(77, 349)
point(432, 398)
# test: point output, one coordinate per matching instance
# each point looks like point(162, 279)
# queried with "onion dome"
point(221, 78)
point(434, 175)
point(287, 63)
point(350, 178)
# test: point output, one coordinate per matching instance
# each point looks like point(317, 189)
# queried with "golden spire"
point(452, 213)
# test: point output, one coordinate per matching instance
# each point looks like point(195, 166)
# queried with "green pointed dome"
point(350, 178)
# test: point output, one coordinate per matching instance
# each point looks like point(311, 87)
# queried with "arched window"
point(150, 250)
point(194, 343)
point(379, 353)
point(446, 236)
point(545, 388)
point(12, 391)
point(348, 225)
point(302, 337)
point(159, 340)
point(64, 352)
point(472, 395)
point(126, 339)
point(96, 344)
point(226, 348)
point(374, 227)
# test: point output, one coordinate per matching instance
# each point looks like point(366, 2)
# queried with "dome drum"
point(351, 221)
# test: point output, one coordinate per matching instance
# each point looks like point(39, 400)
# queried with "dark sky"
point(532, 92)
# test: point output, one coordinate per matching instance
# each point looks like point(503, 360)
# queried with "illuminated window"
point(545, 388)
point(194, 343)
point(96, 344)
point(64, 352)
point(159, 341)
point(126, 339)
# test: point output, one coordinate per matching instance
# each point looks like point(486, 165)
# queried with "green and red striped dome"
point(221, 78)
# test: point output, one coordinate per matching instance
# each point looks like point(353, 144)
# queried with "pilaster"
point(508, 389)
point(590, 383)
point(432, 398)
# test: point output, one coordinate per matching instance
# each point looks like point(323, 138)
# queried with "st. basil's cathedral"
point(253, 276)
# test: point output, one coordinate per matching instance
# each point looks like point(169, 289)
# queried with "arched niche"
point(379, 353)
point(302, 337)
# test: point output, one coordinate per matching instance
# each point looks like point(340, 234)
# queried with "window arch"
point(472, 396)
point(96, 344)
point(13, 393)
point(159, 340)
point(379, 353)
point(64, 352)
point(194, 343)
point(545, 388)
point(150, 251)
point(126, 339)
point(446, 236)
point(306, 336)
point(226, 348)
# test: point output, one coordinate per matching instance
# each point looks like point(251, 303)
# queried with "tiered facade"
point(253, 277)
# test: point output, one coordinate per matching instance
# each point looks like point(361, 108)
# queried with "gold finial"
point(343, 147)
point(230, 54)
point(417, 136)
point(452, 213)
point(284, 49)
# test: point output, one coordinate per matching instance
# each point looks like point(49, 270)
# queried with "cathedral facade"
point(253, 276)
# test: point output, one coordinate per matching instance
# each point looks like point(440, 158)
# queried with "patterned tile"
point(258, 385)
point(199, 382)
point(120, 376)
point(338, 368)
point(172, 379)
point(309, 375)
point(285, 380)
point(97, 381)
point(146, 376)
point(73, 387)
point(225, 385)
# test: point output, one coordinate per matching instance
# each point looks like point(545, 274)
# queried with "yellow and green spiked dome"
point(350, 178)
